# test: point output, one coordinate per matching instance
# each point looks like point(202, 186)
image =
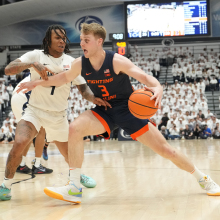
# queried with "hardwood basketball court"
point(132, 183)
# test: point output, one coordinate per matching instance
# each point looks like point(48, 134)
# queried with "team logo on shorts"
point(87, 19)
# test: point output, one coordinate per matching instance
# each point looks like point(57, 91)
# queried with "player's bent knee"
point(75, 130)
point(21, 143)
point(168, 152)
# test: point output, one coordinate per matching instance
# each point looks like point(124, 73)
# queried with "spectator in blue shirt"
point(207, 132)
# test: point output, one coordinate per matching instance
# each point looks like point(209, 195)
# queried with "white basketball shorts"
point(55, 123)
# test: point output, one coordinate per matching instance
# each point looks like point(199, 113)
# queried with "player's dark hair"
point(47, 38)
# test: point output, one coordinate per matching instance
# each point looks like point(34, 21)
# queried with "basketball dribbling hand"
point(158, 93)
point(42, 70)
point(26, 87)
point(100, 102)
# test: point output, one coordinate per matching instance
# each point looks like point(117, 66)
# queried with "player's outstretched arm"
point(56, 80)
point(17, 66)
point(124, 65)
point(87, 94)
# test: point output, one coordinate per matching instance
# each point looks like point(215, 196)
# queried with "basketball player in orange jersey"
point(107, 75)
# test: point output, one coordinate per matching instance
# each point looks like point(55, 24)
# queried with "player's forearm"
point(57, 80)
point(150, 81)
point(16, 67)
point(86, 92)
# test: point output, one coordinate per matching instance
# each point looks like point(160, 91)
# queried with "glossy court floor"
point(133, 183)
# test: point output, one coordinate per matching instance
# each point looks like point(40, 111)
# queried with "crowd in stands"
point(149, 64)
point(204, 68)
point(184, 113)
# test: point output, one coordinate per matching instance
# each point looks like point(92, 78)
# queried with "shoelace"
point(84, 179)
point(3, 188)
point(211, 185)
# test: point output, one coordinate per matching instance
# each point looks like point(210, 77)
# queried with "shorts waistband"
point(47, 111)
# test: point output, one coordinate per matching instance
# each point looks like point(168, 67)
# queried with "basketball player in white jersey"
point(18, 102)
point(47, 105)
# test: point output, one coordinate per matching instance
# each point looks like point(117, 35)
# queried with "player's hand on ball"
point(158, 93)
point(42, 70)
point(100, 102)
point(26, 87)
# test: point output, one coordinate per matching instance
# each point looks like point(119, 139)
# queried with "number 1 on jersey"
point(104, 90)
point(52, 90)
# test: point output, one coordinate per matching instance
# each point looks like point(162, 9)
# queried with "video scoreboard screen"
point(167, 19)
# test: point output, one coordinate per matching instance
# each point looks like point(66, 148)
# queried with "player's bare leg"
point(38, 168)
point(23, 168)
point(84, 180)
point(25, 132)
point(39, 142)
point(155, 140)
point(26, 149)
point(63, 148)
point(85, 124)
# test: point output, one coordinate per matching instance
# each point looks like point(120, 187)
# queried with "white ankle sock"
point(37, 161)
point(197, 173)
point(23, 162)
point(74, 175)
point(7, 182)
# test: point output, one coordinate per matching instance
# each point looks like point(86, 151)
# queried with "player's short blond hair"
point(96, 29)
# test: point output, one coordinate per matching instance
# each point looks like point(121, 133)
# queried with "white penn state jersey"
point(50, 98)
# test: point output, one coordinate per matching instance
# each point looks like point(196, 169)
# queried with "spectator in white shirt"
point(170, 124)
point(7, 131)
point(213, 83)
point(216, 70)
point(149, 72)
point(11, 114)
point(10, 90)
point(174, 132)
point(157, 70)
point(157, 117)
point(207, 84)
point(194, 108)
point(6, 121)
point(5, 97)
point(2, 86)
point(187, 106)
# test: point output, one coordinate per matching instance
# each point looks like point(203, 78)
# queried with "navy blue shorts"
point(120, 116)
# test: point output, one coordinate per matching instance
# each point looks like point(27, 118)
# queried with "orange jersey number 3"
point(104, 90)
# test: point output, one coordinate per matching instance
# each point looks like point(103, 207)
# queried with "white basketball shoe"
point(68, 193)
point(212, 188)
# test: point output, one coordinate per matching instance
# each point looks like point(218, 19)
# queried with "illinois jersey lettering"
point(105, 83)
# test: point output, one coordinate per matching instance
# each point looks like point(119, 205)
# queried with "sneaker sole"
point(214, 194)
point(57, 196)
point(88, 186)
point(4, 199)
point(18, 171)
point(42, 173)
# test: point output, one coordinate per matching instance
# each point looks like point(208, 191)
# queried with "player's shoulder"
point(119, 58)
point(77, 62)
point(68, 57)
